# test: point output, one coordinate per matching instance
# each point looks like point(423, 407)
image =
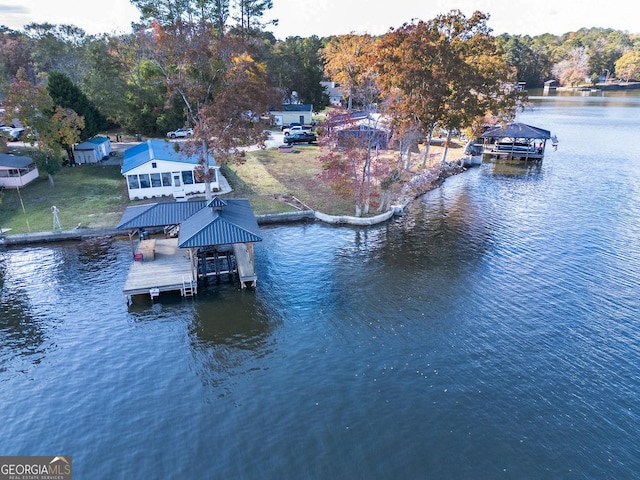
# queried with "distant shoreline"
point(619, 86)
point(600, 86)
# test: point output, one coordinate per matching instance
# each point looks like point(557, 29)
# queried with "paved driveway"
point(275, 140)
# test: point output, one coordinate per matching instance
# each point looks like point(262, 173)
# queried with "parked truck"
point(291, 129)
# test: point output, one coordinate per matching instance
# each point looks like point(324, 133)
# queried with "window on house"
point(166, 179)
point(187, 177)
point(155, 180)
point(154, 165)
point(133, 181)
point(144, 181)
point(212, 172)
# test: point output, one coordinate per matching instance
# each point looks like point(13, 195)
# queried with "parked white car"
point(13, 134)
point(180, 133)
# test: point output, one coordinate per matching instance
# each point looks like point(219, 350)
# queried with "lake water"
point(491, 332)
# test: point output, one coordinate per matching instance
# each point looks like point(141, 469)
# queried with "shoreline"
point(81, 234)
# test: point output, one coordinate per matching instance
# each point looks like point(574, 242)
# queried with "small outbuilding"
point(158, 168)
point(93, 150)
point(550, 86)
point(17, 171)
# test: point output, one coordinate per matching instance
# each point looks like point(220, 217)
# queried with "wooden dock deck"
point(170, 270)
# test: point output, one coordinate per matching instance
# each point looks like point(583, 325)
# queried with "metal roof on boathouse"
point(160, 214)
point(517, 130)
point(219, 222)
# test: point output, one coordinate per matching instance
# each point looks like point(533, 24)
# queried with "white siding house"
point(336, 96)
point(16, 171)
point(155, 169)
point(93, 150)
point(292, 113)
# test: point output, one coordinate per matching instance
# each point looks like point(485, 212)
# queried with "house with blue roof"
point(160, 168)
point(93, 150)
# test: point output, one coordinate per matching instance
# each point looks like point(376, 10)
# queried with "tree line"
point(118, 75)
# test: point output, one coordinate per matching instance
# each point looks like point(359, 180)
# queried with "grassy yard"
point(269, 176)
point(88, 196)
point(95, 196)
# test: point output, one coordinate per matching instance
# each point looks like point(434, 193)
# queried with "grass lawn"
point(95, 196)
point(88, 196)
point(272, 175)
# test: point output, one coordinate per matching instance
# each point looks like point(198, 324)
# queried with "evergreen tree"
point(67, 95)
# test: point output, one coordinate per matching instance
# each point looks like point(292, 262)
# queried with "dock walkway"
point(245, 265)
point(170, 270)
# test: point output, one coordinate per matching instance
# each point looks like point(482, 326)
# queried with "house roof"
point(517, 130)
point(361, 120)
point(332, 89)
point(157, 150)
point(159, 214)
point(91, 144)
point(14, 161)
point(293, 107)
point(85, 146)
point(98, 140)
point(221, 222)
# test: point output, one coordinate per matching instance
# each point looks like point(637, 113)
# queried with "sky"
point(327, 17)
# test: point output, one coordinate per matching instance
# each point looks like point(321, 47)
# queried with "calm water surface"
point(492, 332)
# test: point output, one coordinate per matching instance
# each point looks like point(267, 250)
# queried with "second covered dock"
point(515, 141)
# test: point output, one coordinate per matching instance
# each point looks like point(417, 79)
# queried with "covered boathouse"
point(515, 141)
point(197, 240)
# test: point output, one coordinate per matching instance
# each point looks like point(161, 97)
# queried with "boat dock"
point(516, 141)
point(213, 238)
point(168, 270)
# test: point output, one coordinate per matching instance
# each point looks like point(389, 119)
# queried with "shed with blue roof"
point(93, 150)
point(160, 168)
